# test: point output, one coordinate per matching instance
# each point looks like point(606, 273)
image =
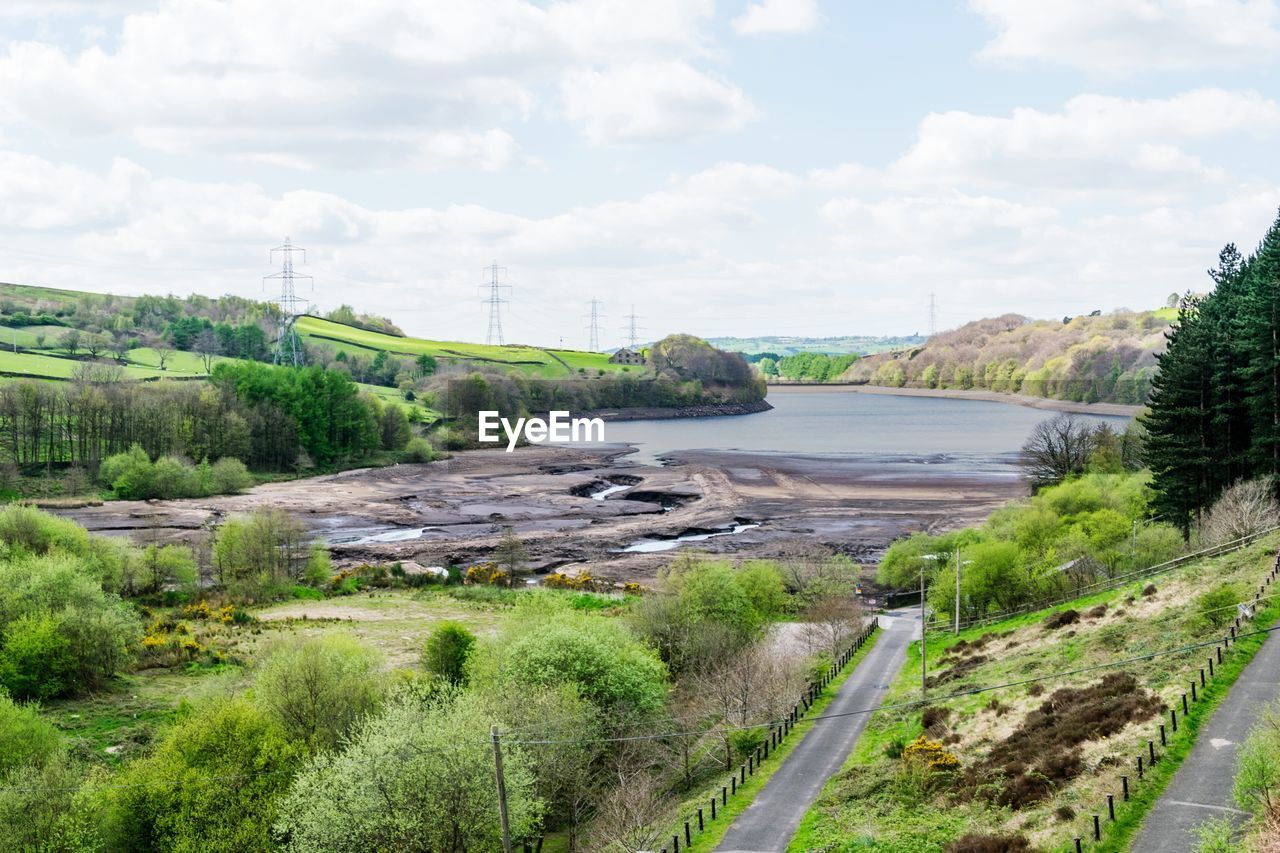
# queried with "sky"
point(744, 167)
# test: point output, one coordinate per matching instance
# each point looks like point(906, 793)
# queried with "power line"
point(594, 327)
point(494, 300)
point(933, 315)
point(288, 346)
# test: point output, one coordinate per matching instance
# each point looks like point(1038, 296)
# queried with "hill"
point(1094, 358)
point(777, 346)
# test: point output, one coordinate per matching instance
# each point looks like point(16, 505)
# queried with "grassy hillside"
point(547, 364)
point(1037, 758)
point(1105, 357)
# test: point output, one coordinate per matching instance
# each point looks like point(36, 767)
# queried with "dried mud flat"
point(456, 510)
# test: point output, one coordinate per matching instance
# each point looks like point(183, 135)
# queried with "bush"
point(229, 476)
point(419, 450)
point(446, 650)
point(133, 476)
point(745, 741)
point(414, 778)
point(319, 568)
point(26, 738)
point(61, 633)
point(1246, 508)
point(1217, 606)
point(182, 796)
point(320, 688)
point(255, 555)
point(26, 529)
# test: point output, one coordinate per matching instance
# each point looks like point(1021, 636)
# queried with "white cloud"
point(653, 101)
point(1093, 142)
point(1123, 36)
point(778, 16)
point(379, 84)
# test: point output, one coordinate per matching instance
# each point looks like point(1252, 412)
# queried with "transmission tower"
point(632, 329)
point(288, 347)
point(494, 300)
point(594, 326)
point(933, 316)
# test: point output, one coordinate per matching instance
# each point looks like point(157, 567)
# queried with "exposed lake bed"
point(842, 473)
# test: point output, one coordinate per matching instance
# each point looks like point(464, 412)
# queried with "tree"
point(446, 650)
point(206, 344)
point(1057, 449)
point(417, 777)
point(180, 797)
point(163, 353)
point(1244, 509)
point(320, 688)
point(510, 554)
point(256, 553)
point(95, 344)
point(70, 341)
point(426, 365)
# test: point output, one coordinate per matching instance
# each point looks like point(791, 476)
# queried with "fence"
point(1107, 584)
point(704, 816)
point(1147, 759)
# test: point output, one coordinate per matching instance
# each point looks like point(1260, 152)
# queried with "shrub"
point(414, 778)
point(255, 555)
point(180, 797)
point(26, 738)
point(26, 529)
point(446, 650)
point(1061, 618)
point(320, 688)
point(229, 476)
point(974, 842)
point(319, 568)
point(1217, 606)
point(745, 741)
point(1246, 508)
point(419, 450)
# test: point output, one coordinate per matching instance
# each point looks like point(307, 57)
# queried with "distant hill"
point(783, 345)
point(1095, 358)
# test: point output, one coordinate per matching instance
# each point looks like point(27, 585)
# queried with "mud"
point(456, 510)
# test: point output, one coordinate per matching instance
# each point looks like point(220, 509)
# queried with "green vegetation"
point(1086, 727)
point(806, 367)
point(133, 475)
point(1215, 410)
point(778, 346)
point(1094, 358)
point(1060, 541)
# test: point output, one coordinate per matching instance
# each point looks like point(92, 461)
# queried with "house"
point(625, 355)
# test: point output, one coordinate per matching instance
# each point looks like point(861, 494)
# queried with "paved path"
point(772, 818)
point(1201, 789)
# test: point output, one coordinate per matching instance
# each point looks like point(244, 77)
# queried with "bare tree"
point(1247, 507)
point(1058, 448)
point(164, 352)
point(832, 621)
point(206, 344)
point(631, 817)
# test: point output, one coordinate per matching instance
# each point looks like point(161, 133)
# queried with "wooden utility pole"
point(502, 790)
point(924, 667)
point(958, 565)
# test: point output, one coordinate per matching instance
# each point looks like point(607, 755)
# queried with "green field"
point(548, 364)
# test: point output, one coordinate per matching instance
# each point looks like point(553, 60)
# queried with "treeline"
point(806, 366)
point(1215, 406)
point(271, 418)
point(686, 371)
point(1094, 358)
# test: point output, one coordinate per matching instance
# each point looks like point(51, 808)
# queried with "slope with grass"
point(1036, 758)
point(532, 361)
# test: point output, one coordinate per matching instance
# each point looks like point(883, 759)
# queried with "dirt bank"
point(456, 510)
point(957, 394)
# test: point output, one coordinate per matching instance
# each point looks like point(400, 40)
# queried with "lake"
point(823, 422)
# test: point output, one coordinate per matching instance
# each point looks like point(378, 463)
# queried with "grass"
point(549, 364)
point(710, 838)
point(866, 800)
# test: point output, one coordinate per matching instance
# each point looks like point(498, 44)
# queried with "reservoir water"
point(820, 422)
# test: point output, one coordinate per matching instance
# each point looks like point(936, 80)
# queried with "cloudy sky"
point(737, 167)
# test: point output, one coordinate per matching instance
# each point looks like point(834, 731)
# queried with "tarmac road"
point(769, 822)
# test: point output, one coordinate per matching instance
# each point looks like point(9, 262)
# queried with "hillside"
point(783, 345)
point(1094, 358)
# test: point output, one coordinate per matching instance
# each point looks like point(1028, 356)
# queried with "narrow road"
point(1201, 789)
point(769, 822)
